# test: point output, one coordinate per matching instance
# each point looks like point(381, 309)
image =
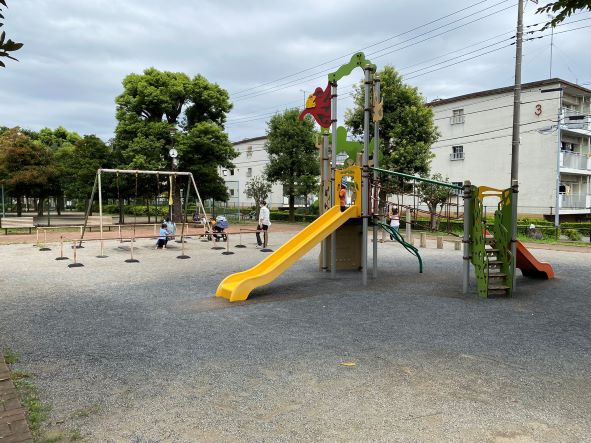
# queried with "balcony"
point(575, 201)
point(575, 121)
point(456, 156)
point(575, 160)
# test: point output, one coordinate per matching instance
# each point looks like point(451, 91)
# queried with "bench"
point(16, 222)
point(95, 220)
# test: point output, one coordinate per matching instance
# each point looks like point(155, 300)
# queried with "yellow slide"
point(237, 287)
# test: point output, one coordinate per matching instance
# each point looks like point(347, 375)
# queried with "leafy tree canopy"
point(407, 130)
point(292, 152)
point(258, 188)
point(562, 10)
point(6, 45)
point(158, 110)
point(26, 168)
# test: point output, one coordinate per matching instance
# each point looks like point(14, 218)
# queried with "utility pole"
point(515, 138)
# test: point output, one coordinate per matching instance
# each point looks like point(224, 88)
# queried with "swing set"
point(136, 172)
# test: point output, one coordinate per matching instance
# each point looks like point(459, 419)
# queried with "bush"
point(572, 234)
point(284, 216)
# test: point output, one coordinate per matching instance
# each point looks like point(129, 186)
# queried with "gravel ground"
point(144, 353)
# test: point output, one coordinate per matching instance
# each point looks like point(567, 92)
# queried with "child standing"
point(394, 220)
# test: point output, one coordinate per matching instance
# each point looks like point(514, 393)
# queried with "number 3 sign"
point(538, 110)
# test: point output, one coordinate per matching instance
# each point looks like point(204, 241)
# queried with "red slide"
point(530, 266)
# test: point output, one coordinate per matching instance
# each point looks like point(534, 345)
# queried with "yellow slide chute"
point(237, 287)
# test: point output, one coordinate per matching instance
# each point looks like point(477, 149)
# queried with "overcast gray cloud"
point(77, 52)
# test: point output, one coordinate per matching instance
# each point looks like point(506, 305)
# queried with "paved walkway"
point(13, 424)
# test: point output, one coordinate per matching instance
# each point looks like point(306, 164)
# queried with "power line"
point(418, 72)
point(367, 47)
point(489, 132)
point(320, 74)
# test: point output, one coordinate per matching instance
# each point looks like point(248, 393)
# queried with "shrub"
point(572, 234)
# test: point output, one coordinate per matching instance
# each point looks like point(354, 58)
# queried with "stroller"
point(221, 223)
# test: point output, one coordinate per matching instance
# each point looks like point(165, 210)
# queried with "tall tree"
point(80, 164)
point(563, 9)
point(292, 152)
point(61, 143)
point(6, 46)
point(160, 110)
point(26, 168)
point(407, 129)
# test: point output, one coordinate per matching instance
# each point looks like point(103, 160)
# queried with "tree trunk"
point(40, 204)
point(19, 206)
point(148, 208)
point(121, 213)
point(433, 215)
point(59, 204)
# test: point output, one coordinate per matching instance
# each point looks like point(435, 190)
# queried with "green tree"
point(61, 143)
point(258, 188)
point(26, 168)
point(158, 110)
point(292, 152)
point(434, 196)
point(407, 130)
point(81, 162)
point(563, 9)
point(6, 46)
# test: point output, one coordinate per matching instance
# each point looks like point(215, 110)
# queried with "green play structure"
point(342, 227)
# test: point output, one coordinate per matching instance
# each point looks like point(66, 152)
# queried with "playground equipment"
point(136, 172)
point(490, 254)
point(396, 236)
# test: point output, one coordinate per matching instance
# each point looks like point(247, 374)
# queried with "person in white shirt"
point(264, 223)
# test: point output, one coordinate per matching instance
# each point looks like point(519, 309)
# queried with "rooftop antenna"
point(551, 17)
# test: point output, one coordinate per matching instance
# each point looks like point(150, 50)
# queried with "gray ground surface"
point(143, 352)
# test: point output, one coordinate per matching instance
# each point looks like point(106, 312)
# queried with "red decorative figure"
point(318, 105)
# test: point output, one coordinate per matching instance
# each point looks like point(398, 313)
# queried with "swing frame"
point(98, 186)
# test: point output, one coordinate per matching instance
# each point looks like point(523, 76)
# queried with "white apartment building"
point(250, 162)
point(475, 144)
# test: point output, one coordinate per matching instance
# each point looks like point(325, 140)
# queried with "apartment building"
point(250, 162)
point(555, 148)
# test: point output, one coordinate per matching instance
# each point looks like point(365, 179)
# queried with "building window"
point(457, 153)
point(225, 172)
point(457, 117)
point(231, 172)
point(249, 172)
point(231, 192)
point(457, 191)
point(249, 152)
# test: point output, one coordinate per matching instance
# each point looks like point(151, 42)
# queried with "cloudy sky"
point(267, 54)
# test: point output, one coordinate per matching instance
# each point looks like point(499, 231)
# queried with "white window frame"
point(249, 172)
point(457, 117)
point(457, 153)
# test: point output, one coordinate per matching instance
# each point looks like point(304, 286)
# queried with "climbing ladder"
point(491, 253)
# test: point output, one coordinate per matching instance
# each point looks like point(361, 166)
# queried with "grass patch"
point(10, 357)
